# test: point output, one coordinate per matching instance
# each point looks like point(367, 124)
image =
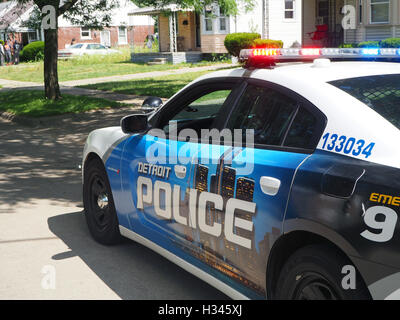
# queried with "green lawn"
point(163, 87)
point(31, 103)
point(87, 67)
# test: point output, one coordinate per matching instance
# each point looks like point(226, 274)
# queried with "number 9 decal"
point(387, 226)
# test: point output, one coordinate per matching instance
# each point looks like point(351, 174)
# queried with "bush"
point(390, 43)
point(267, 43)
point(216, 57)
point(235, 42)
point(2, 42)
point(348, 45)
point(369, 44)
point(33, 51)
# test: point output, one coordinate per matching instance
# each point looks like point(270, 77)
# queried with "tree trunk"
point(51, 86)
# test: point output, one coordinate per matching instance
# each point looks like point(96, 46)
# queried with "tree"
point(95, 14)
point(230, 7)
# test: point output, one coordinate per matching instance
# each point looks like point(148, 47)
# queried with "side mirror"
point(151, 104)
point(134, 123)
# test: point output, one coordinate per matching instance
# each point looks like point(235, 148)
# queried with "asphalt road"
point(46, 251)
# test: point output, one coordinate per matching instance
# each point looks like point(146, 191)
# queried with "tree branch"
point(66, 6)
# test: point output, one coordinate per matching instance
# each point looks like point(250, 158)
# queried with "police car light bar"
point(269, 56)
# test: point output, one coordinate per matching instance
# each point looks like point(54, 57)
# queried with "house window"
point(380, 11)
point(85, 33)
point(222, 20)
point(289, 9)
point(208, 20)
point(360, 11)
point(32, 36)
point(122, 35)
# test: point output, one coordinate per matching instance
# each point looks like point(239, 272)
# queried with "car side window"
point(265, 110)
point(302, 130)
point(200, 113)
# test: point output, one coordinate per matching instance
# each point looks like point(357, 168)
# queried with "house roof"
point(11, 12)
point(152, 11)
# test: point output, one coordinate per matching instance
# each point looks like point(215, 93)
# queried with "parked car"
point(81, 49)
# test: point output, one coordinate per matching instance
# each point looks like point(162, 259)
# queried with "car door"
point(157, 166)
point(90, 49)
point(100, 49)
point(255, 179)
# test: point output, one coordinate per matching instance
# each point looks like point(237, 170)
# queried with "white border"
point(125, 41)
point(370, 12)
point(88, 37)
point(216, 283)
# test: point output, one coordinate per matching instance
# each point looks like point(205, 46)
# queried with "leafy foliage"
point(390, 43)
point(369, 44)
point(33, 51)
point(348, 45)
point(95, 14)
point(386, 43)
point(235, 42)
point(230, 7)
point(267, 43)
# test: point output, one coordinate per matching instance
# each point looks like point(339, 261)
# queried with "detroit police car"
point(277, 182)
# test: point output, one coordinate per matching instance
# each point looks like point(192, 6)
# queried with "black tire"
point(315, 273)
point(98, 202)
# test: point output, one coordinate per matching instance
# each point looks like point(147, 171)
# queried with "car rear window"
point(381, 93)
point(76, 46)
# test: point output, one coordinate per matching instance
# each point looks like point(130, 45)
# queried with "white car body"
point(81, 49)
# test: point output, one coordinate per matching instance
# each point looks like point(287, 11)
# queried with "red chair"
point(321, 34)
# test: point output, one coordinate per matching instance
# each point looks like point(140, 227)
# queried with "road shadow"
point(131, 270)
point(43, 162)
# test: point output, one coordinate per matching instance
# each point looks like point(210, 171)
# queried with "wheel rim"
point(312, 286)
point(99, 202)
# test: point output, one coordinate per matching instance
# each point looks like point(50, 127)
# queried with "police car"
point(277, 182)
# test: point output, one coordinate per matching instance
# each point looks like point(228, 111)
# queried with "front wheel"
point(100, 213)
point(315, 273)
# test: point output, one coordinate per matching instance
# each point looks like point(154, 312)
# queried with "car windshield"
point(76, 46)
point(381, 93)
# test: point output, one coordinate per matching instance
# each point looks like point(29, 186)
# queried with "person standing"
point(7, 49)
point(17, 50)
point(2, 54)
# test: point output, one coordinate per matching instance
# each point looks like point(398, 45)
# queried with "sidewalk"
point(10, 84)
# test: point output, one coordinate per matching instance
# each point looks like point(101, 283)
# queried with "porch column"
point(172, 32)
point(265, 15)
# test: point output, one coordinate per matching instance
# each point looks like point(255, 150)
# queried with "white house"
point(306, 22)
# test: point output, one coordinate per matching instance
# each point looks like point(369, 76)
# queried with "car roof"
point(86, 43)
point(311, 73)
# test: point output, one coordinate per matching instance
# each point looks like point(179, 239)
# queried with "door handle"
point(270, 185)
point(180, 171)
